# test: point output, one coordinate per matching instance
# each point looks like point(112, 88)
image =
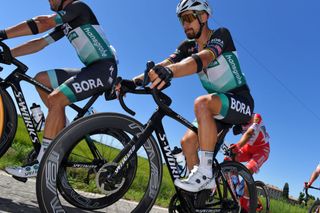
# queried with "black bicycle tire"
point(225, 166)
point(314, 206)
point(10, 122)
point(47, 185)
point(263, 186)
point(249, 180)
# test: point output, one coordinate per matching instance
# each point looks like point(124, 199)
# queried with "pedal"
point(21, 179)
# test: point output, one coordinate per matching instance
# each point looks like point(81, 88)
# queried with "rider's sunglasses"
point(188, 18)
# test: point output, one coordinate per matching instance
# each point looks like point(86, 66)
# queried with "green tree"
point(285, 192)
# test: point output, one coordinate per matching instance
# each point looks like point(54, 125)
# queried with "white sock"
point(44, 146)
point(206, 160)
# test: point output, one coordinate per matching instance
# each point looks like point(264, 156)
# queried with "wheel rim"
point(1, 116)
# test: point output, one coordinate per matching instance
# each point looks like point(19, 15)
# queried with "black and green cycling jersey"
point(222, 77)
point(222, 74)
point(79, 24)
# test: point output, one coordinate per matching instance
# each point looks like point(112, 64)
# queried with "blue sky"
point(277, 42)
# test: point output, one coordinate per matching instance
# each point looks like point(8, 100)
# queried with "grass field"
point(16, 155)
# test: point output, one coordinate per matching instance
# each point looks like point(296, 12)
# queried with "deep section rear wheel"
point(8, 121)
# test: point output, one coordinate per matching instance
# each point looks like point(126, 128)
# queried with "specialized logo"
point(26, 117)
point(67, 28)
point(124, 160)
point(240, 107)
point(87, 85)
point(171, 160)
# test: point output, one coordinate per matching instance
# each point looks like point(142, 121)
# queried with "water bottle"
point(37, 117)
point(181, 162)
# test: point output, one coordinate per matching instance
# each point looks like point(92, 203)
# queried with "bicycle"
point(315, 207)
point(8, 112)
point(263, 197)
point(138, 153)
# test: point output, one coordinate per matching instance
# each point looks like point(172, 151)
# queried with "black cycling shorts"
point(237, 106)
point(79, 84)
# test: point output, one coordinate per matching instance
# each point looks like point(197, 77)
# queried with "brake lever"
point(146, 79)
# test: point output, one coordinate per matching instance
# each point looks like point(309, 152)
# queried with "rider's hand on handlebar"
point(235, 148)
point(160, 76)
point(122, 86)
point(307, 185)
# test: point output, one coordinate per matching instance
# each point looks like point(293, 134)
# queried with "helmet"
point(197, 5)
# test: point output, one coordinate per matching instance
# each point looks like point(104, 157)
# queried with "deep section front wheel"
point(81, 158)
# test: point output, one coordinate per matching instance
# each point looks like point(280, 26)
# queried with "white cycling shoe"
point(27, 171)
point(196, 181)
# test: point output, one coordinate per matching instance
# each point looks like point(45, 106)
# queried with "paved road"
point(21, 197)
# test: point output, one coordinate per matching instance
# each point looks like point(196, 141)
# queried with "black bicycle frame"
point(155, 124)
point(13, 81)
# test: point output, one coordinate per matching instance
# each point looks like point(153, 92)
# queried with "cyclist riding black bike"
point(212, 55)
point(314, 176)
point(75, 20)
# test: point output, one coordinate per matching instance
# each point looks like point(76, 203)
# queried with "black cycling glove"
point(130, 84)
point(3, 35)
point(164, 73)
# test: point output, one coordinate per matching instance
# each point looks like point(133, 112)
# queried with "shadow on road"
point(8, 205)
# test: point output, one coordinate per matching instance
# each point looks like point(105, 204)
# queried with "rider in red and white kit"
point(253, 147)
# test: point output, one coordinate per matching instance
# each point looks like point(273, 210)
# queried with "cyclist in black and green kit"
point(212, 55)
point(75, 20)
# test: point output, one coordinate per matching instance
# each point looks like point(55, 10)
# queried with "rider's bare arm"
point(189, 66)
point(314, 176)
point(32, 46)
point(43, 23)
point(246, 137)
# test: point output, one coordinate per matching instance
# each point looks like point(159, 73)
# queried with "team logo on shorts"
point(240, 107)
point(87, 85)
